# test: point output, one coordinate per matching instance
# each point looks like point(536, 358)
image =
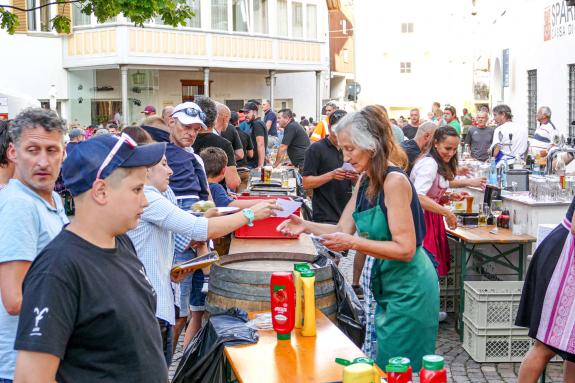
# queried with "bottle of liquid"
point(433, 370)
point(282, 304)
point(308, 282)
point(399, 370)
point(493, 173)
point(360, 370)
point(298, 268)
point(561, 171)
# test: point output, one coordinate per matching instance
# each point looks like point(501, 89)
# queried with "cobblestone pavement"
point(460, 367)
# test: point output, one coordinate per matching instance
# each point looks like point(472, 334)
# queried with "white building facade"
point(232, 50)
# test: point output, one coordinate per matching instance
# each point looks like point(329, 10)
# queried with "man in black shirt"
point(231, 134)
point(295, 140)
point(419, 144)
point(323, 173)
point(211, 137)
point(258, 134)
point(410, 129)
point(88, 309)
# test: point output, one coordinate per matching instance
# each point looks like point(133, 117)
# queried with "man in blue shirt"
point(31, 215)
point(270, 119)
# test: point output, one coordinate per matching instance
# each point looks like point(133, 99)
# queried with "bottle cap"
point(400, 360)
point(363, 359)
point(433, 362)
point(284, 336)
point(307, 273)
point(301, 266)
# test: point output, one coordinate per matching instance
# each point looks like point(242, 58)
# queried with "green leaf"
point(8, 21)
point(61, 24)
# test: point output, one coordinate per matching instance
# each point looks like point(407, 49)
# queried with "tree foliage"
point(172, 12)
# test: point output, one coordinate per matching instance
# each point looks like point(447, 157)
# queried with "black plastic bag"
point(350, 311)
point(203, 360)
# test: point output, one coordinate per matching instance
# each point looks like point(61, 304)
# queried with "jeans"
point(167, 331)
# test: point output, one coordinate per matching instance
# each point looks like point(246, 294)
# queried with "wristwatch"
point(249, 214)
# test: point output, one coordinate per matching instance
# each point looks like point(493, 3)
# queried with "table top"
point(303, 244)
point(482, 234)
point(302, 359)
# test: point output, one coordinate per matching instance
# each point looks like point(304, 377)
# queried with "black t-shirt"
point(330, 199)
point(409, 131)
point(231, 134)
point(297, 142)
point(258, 130)
point(412, 150)
point(206, 140)
point(95, 309)
point(247, 145)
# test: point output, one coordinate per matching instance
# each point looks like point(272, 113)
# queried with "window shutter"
point(22, 16)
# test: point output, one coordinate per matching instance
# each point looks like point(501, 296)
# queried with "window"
point(344, 27)
point(220, 15)
point(311, 22)
point(196, 20)
point(406, 27)
point(297, 19)
point(345, 55)
point(532, 101)
point(282, 22)
point(79, 18)
point(571, 100)
point(39, 19)
point(405, 67)
point(261, 16)
point(240, 11)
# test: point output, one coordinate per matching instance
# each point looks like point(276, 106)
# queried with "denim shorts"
point(191, 296)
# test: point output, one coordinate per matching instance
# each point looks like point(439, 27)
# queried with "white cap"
point(189, 113)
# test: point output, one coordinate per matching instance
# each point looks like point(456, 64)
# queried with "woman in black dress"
point(547, 306)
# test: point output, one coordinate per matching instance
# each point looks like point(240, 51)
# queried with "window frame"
point(531, 101)
point(303, 26)
point(405, 67)
point(52, 10)
point(407, 27)
point(571, 99)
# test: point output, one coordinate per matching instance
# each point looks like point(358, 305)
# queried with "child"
point(215, 161)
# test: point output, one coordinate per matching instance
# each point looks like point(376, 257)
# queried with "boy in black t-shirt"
point(88, 310)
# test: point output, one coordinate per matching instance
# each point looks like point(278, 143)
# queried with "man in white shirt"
point(510, 139)
point(545, 134)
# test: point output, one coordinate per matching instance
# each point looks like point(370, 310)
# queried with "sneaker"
point(358, 290)
point(442, 316)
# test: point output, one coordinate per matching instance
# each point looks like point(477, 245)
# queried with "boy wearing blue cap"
point(88, 311)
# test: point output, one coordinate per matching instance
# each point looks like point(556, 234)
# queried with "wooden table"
point(470, 239)
point(303, 244)
point(302, 359)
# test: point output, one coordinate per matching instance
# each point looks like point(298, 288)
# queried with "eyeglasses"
point(124, 138)
point(193, 113)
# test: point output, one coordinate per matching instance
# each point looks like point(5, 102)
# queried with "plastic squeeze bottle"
point(433, 370)
point(298, 268)
point(399, 370)
point(360, 370)
point(308, 281)
point(282, 304)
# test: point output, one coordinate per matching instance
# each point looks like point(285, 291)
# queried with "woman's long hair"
point(370, 130)
point(447, 170)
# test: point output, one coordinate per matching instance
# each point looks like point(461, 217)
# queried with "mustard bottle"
point(308, 281)
point(360, 370)
point(298, 268)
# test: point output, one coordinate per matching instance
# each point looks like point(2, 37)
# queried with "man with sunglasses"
point(88, 310)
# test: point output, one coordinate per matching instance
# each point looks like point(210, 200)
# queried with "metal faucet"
point(554, 152)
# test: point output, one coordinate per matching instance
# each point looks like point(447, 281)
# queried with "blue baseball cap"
point(99, 156)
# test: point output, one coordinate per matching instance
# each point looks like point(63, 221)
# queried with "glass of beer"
point(268, 174)
point(469, 206)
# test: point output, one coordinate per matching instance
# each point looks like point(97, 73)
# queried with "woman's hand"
point(463, 171)
point(456, 196)
point(477, 182)
point(293, 226)
point(451, 220)
point(338, 241)
point(211, 213)
point(264, 210)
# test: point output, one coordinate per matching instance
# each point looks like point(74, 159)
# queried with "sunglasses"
point(193, 113)
point(123, 139)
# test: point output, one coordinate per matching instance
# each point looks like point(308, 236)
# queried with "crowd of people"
point(91, 297)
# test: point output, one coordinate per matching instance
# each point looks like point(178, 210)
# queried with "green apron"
point(407, 295)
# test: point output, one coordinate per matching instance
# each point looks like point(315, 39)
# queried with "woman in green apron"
point(384, 210)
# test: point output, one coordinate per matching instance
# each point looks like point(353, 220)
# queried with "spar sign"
point(559, 21)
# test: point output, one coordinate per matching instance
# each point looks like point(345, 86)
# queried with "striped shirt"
point(154, 243)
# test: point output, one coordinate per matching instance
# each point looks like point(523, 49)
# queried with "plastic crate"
point(448, 303)
point(495, 345)
point(492, 304)
point(265, 228)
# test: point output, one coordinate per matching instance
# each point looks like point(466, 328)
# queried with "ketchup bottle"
point(282, 293)
point(399, 370)
point(433, 370)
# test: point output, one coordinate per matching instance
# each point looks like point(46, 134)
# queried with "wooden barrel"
point(243, 280)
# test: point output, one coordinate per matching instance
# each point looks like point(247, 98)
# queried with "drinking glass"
point(483, 214)
point(496, 210)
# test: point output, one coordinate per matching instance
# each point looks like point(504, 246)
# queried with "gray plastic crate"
point(492, 304)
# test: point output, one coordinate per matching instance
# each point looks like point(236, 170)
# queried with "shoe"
point(442, 316)
point(358, 290)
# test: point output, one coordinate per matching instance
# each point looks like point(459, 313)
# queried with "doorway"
point(192, 88)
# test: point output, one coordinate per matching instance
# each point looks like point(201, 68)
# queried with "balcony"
point(163, 47)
